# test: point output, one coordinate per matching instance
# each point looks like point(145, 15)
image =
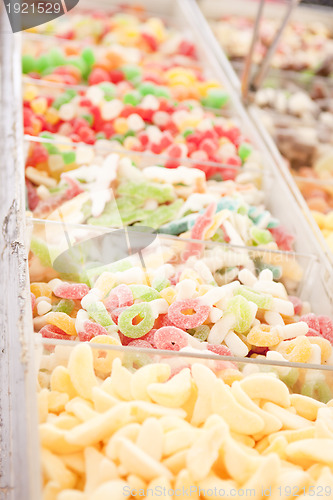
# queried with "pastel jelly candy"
point(326, 327)
point(260, 236)
point(144, 293)
point(62, 321)
point(65, 306)
point(98, 313)
point(116, 313)
point(41, 290)
point(243, 311)
point(263, 301)
point(312, 321)
point(284, 240)
point(201, 332)
point(53, 332)
point(75, 291)
point(221, 350)
point(120, 296)
point(143, 317)
point(298, 304)
point(170, 338)
point(91, 330)
point(177, 316)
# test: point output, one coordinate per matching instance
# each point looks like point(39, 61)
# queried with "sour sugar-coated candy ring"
point(53, 332)
point(186, 321)
point(120, 296)
point(170, 338)
point(145, 324)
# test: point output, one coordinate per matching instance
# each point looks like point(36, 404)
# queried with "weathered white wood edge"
point(19, 447)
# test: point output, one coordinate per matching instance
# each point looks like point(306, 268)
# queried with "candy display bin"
point(213, 11)
point(114, 420)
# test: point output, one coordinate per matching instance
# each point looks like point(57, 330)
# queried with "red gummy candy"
point(120, 296)
point(312, 321)
point(74, 291)
point(326, 327)
point(53, 332)
point(98, 75)
point(150, 337)
point(283, 239)
point(170, 338)
point(186, 321)
point(74, 187)
point(222, 350)
point(91, 330)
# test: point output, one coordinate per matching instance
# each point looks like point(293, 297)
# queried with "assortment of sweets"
point(297, 108)
point(117, 425)
point(111, 191)
point(121, 422)
point(303, 47)
point(153, 124)
point(186, 296)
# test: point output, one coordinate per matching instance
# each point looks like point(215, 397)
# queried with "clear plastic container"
point(109, 405)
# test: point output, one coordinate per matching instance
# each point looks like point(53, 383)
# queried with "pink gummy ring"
point(186, 321)
point(170, 338)
point(121, 296)
point(140, 343)
point(53, 332)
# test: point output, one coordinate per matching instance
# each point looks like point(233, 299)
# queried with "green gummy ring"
point(146, 324)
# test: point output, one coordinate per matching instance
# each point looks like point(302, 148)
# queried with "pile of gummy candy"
point(144, 91)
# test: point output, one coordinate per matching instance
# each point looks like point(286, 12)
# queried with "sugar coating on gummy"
point(170, 338)
point(75, 291)
point(185, 321)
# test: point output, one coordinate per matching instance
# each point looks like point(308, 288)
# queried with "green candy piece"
point(262, 300)
point(131, 71)
point(291, 378)
point(28, 64)
point(178, 226)
point(146, 88)
point(64, 305)
point(317, 389)
point(244, 151)
point(188, 131)
point(160, 284)
point(216, 98)
point(41, 250)
point(56, 57)
point(125, 321)
point(261, 236)
point(60, 100)
point(242, 311)
point(147, 190)
point(42, 63)
point(132, 98)
point(161, 91)
point(200, 332)
point(144, 293)
point(68, 157)
point(162, 215)
point(88, 56)
point(98, 313)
